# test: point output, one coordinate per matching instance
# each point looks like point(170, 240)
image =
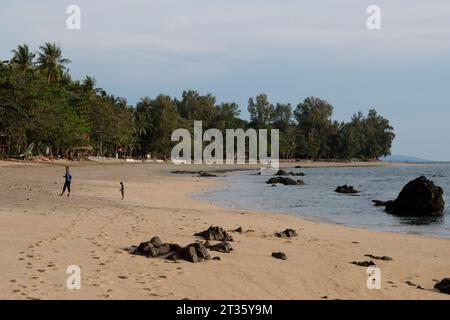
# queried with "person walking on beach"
point(122, 190)
point(67, 182)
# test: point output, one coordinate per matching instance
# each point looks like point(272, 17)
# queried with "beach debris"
point(214, 233)
point(363, 263)
point(384, 258)
point(155, 248)
point(224, 247)
point(285, 181)
point(420, 197)
point(284, 173)
point(288, 233)
point(411, 284)
point(216, 258)
point(346, 189)
point(443, 285)
point(279, 255)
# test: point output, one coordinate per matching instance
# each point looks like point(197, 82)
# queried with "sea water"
point(317, 200)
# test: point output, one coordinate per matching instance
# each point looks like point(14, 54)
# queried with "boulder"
point(420, 197)
point(443, 285)
point(155, 248)
point(185, 253)
point(285, 181)
point(288, 233)
point(346, 189)
point(279, 255)
point(215, 233)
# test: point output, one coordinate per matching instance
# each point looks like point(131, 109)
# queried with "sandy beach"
point(41, 234)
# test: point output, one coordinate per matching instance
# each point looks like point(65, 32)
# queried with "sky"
point(237, 49)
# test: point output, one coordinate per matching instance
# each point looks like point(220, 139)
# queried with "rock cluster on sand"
point(279, 255)
point(223, 247)
point(284, 173)
point(288, 233)
point(384, 258)
point(195, 252)
point(443, 285)
point(363, 263)
point(215, 233)
point(155, 248)
point(420, 197)
point(346, 189)
point(285, 181)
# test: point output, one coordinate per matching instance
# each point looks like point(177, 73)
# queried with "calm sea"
point(317, 199)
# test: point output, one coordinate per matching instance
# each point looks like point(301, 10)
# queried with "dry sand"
point(41, 234)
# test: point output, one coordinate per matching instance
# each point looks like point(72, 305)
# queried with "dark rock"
point(384, 258)
point(156, 241)
point(206, 175)
point(279, 255)
point(285, 181)
point(288, 233)
point(346, 189)
point(284, 173)
point(363, 263)
point(216, 258)
point(281, 173)
point(411, 284)
point(238, 230)
point(224, 247)
point(379, 203)
point(185, 253)
point(419, 197)
point(443, 285)
point(155, 248)
point(215, 233)
point(186, 172)
point(201, 251)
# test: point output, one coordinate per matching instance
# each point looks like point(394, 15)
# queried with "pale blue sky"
point(237, 49)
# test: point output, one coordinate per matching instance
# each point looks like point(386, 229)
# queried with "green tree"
point(51, 62)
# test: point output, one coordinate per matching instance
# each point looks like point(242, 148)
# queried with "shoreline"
point(219, 180)
point(43, 235)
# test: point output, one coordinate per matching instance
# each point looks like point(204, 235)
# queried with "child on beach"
point(122, 190)
point(67, 182)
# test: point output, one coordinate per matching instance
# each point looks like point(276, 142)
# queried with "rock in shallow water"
point(346, 189)
point(420, 197)
point(285, 181)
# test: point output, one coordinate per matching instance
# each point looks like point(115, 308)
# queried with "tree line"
point(40, 103)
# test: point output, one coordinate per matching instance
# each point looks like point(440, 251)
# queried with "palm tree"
point(51, 62)
point(23, 58)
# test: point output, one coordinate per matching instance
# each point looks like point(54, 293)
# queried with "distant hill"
point(401, 158)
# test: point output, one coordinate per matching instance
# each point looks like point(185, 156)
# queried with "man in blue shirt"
point(67, 182)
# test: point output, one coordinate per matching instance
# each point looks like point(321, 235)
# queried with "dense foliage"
point(40, 103)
